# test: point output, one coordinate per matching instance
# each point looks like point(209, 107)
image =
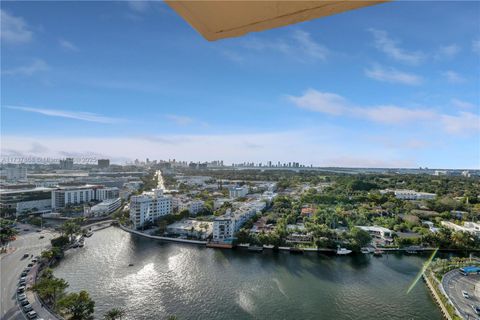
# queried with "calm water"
point(199, 283)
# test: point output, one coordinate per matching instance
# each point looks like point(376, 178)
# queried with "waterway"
point(193, 282)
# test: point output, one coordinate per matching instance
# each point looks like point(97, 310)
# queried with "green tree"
point(50, 289)
point(114, 314)
point(78, 305)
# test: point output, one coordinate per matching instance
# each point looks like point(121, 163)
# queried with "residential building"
point(149, 206)
point(299, 238)
point(379, 233)
point(104, 208)
point(238, 192)
point(103, 163)
point(193, 206)
point(106, 193)
point(468, 226)
point(73, 195)
point(66, 164)
point(14, 173)
point(191, 228)
point(409, 194)
point(224, 227)
point(18, 201)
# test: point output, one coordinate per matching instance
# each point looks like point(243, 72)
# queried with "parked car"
point(21, 289)
point(476, 309)
point(26, 229)
point(22, 297)
point(465, 295)
point(24, 302)
point(30, 265)
point(24, 274)
point(22, 282)
point(32, 315)
point(34, 260)
point(41, 237)
point(28, 308)
point(26, 255)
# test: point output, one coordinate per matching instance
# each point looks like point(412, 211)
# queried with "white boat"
point(367, 250)
point(343, 251)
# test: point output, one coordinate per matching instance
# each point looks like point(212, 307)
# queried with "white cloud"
point(298, 45)
point(393, 75)
point(463, 123)
point(258, 147)
point(324, 102)
point(462, 104)
point(180, 120)
point(309, 46)
point(476, 46)
point(333, 104)
point(453, 77)
point(67, 45)
point(447, 52)
point(138, 5)
point(37, 65)
point(83, 116)
point(14, 30)
point(391, 48)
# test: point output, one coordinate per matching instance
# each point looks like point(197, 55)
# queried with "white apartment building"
point(224, 227)
point(105, 207)
point(106, 193)
point(149, 206)
point(409, 194)
point(238, 192)
point(193, 206)
point(72, 196)
point(468, 226)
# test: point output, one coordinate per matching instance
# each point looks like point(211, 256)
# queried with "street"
point(12, 265)
point(454, 283)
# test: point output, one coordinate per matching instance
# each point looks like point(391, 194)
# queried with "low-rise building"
point(379, 233)
point(106, 193)
point(299, 238)
point(468, 226)
point(238, 192)
point(191, 228)
point(13, 173)
point(72, 195)
point(409, 194)
point(104, 208)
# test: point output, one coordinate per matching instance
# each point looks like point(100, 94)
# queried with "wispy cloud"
point(476, 46)
point(83, 116)
point(185, 121)
point(337, 105)
point(392, 49)
point(38, 65)
point(138, 5)
point(67, 45)
point(298, 45)
point(462, 104)
point(393, 75)
point(14, 30)
point(447, 52)
point(180, 120)
point(453, 77)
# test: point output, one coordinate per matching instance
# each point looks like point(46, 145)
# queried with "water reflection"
point(199, 283)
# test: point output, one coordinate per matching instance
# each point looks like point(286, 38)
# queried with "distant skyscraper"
point(103, 163)
point(66, 164)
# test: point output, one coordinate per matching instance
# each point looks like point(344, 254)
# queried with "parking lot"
point(454, 283)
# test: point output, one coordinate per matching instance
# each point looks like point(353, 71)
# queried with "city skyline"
point(361, 89)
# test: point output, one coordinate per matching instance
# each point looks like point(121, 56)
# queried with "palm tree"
point(114, 314)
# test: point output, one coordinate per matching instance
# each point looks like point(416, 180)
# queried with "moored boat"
point(255, 248)
point(367, 250)
point(343, 251)
point(378, 252)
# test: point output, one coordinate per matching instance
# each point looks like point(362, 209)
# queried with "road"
point(160, 184)
point(12, 265)
point(454, 283)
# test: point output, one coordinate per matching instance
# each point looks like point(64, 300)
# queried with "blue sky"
point(392, 85)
